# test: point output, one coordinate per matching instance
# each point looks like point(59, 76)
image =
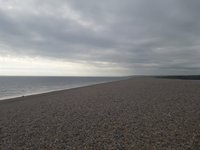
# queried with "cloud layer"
point(138, 36)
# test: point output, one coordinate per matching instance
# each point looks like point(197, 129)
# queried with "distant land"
point(183, 77)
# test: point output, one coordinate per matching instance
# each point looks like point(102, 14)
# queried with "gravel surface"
point(138, 113)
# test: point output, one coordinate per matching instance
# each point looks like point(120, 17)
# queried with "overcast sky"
point(99, 37)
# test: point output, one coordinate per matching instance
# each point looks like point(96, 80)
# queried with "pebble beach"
point(137, 113)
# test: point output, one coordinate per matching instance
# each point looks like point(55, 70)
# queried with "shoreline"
point(136, 113)
point(35, 94)
point(61, 90)
point(189, 78)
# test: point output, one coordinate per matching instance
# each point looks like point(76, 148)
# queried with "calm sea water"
point(11, 87)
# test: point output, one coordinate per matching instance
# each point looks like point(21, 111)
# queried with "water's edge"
point(61, 89)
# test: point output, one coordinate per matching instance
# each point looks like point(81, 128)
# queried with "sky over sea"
point(99, 37)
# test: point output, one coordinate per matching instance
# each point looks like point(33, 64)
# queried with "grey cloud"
point(148, 37)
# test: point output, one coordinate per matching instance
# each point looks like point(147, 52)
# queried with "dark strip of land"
point(183, 77)
point(138, 113)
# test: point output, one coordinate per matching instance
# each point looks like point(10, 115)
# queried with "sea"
point(17, 86)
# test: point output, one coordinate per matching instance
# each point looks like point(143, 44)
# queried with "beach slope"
point(137, 113)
